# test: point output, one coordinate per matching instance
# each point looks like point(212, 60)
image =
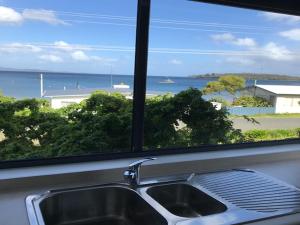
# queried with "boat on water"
point(121, 86)
point(167, 81)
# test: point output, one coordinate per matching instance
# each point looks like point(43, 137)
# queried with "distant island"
point(250, 76)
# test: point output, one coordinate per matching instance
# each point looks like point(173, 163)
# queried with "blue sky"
point(185, 37)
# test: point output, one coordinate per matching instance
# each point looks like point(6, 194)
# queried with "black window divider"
point(140, 74)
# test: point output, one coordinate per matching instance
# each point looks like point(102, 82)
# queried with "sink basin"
point(185, 200)
point(98, 206)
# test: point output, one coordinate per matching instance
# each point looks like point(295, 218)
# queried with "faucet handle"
point(136, 165)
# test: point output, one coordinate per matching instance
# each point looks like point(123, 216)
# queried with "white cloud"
point(293, 34)
point(9, 16)
point(80, 56)
point(240, 61)
point(225, 37)
point(61, 45)
point(51, 58)
point(231, 39)
point(175, 62)
point(247, 42)
point(64, 46)
point(277, 52)
point(269, 54)
point(19, 47)
point(103, 59)
point(281, 17)
point(42, 15)
point(270, 51)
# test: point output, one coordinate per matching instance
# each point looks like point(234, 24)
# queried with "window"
point(218, 71)
point(66, 77)
point(217, 75)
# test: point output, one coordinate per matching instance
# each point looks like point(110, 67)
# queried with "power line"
point(29, 46)
point(165, 27)
point(154, 20)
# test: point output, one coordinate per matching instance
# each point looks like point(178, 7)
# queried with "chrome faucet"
point(132, 174)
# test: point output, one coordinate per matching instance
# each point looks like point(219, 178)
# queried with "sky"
point(186, 38)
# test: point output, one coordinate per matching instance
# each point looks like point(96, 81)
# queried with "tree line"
point(102, 124)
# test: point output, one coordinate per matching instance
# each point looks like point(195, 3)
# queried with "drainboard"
point(252, 190)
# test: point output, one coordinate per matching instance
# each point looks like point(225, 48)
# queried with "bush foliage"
point(268, 135)
point(102, 124)
point(251, 101)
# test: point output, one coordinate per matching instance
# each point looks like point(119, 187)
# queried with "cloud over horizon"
point(51, 58)
point(9, 16)
point(293, 34)
point(277, 17)
point(176, 62)
point(231, 39)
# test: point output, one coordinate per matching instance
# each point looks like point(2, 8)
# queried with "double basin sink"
point(230, 197)
point(159, 203)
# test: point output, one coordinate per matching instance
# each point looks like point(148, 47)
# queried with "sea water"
point(27, 84)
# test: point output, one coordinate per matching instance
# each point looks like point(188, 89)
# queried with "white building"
point(59, 99)
point(63, 98)
point(285, 98)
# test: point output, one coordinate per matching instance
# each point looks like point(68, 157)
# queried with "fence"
point(248, 111)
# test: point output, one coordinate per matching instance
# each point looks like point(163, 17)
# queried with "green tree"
point(102, 124)
point(25, 128)
point(4, 99)
point(203, 123)
point(228, 83)
point(213, 87)
point(232, 83)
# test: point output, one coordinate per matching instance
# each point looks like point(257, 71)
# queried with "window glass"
point(219, 75)
point(66, 77)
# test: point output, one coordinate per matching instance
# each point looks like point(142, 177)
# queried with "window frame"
point(140, 78)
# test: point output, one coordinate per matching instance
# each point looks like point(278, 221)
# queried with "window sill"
point(225, 158)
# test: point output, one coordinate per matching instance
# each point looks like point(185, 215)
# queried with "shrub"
point(102, 124)
point(268, 135)
point(251, 101)
point(203, 123)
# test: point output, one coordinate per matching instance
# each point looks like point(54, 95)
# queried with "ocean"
point(27, 84)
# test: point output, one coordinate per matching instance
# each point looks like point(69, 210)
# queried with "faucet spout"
point(132, 174)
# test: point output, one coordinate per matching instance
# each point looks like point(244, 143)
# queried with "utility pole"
point(42, 85)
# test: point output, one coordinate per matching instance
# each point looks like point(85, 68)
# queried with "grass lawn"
point(269, 135)
point(284, 115)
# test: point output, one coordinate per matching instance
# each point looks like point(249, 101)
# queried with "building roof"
point(281, 89)
point(89, 91)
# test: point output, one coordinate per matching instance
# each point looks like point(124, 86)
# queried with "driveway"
point(267, 123)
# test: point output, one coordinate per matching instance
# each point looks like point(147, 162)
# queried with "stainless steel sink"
point(97, 206)
point(228, 197)
point(185, 200)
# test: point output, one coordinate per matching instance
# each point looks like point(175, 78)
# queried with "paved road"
point(267, 123)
